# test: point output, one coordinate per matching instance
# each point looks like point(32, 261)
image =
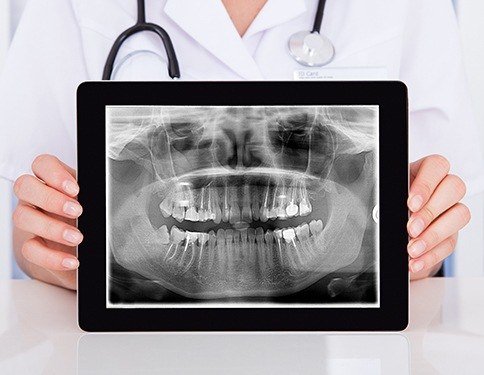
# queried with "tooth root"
point(192, 214)
point(261, 256)
point(289, 235)
point(234, 213)
point(163, 235)
point(229, 243)
point(166, 207)
point(202, 240)
point(302, 232)
point(278, 239)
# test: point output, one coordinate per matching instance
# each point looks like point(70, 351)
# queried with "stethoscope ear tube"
point(142, 25)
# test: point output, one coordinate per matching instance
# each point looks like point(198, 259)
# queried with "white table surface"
point(39, 335)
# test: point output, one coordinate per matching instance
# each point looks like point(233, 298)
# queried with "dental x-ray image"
point(245, 206)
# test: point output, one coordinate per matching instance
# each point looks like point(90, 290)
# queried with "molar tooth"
point(234, 213)
point(319, 226)
point(302, 232)
point(292, 209)
point(179, 213)
point(226, 206)
point(163, 235)
point(192, 214)
point(305, 207)
point(166, 207)
point(264, 210)
point(177, 235)
point(316, 227)
point(289, 235)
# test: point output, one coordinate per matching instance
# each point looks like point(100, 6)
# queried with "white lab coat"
point(61, 43)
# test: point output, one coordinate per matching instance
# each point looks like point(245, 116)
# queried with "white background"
point(469, 257)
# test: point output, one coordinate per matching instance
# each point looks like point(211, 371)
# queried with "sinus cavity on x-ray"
point(244, 206)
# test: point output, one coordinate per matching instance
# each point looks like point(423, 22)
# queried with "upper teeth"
point(222, 203)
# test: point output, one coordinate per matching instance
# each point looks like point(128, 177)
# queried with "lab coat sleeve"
point(441, 116)
point(38, 86)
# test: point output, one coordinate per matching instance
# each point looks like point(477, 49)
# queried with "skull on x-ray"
point(214, 202)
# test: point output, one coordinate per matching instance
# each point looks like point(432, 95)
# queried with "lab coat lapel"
point(207, 22)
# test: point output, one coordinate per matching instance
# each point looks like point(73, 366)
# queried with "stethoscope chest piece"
point(311, 48)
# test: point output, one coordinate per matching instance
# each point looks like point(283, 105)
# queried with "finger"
point(55, 174)
point(445, 226)
point(33, 221)
point(36, 252)
point(450, 191)
point(435, 256)
point(427, 174)
point(31, 190)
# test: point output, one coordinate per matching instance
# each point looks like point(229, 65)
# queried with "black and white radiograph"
point(242, 204)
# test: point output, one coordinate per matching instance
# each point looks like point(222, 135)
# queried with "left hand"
point(436, 214)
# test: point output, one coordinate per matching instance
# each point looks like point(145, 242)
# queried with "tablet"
point(243, 206)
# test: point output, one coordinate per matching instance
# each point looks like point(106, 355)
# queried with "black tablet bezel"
point(390, 96)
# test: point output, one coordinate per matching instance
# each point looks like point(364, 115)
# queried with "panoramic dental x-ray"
point(242, 206)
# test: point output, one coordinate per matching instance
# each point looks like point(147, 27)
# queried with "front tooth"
point(246, 212)
point(177, 235)
point(255, 203)
point(289, 235)
point(166, 207)
point(234, 213)
point(302, 232)
point(192, 214)
point(163, 235)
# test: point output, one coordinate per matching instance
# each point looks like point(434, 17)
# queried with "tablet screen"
point(242, 206)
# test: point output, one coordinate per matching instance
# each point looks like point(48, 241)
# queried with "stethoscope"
point(308, 48)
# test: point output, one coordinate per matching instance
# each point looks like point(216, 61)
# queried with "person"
point(61, 43)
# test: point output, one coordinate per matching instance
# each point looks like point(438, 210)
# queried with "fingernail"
point(70, 263)
point(417, 266)
point(417, 248)
point(70, 188)
point(416, 203)
point(416, 227)
point(72, 209)
point(72, 236)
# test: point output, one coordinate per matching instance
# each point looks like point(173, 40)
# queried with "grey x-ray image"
point(242, 205)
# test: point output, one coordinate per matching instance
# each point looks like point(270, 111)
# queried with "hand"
point(46, 214)
point(436, 214)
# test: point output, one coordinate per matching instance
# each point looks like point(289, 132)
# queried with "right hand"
point(46, 214)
